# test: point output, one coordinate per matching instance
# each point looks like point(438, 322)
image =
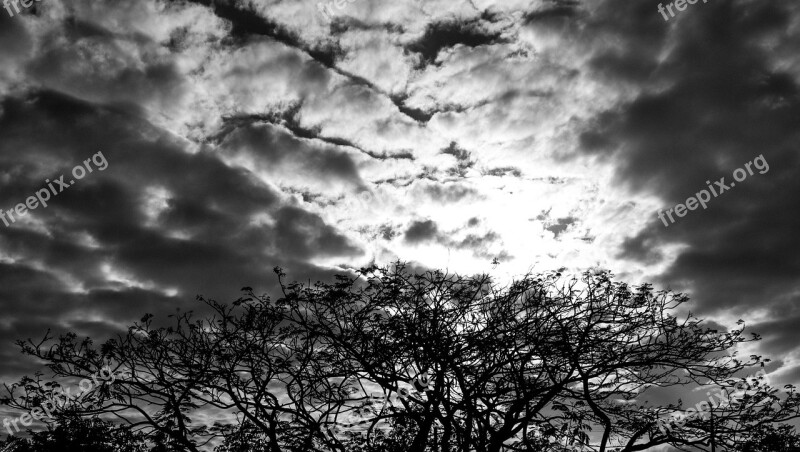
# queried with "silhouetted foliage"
point(770, 438)
point(79, 435)
point(391, 360)
point(247, 438)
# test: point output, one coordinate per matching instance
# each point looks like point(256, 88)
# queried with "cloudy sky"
point(477, 136)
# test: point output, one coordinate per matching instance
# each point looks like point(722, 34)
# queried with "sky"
point(500, 137)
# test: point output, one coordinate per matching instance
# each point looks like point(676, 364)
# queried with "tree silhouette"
point(389, 359)
point(247, 438)
point(770, 438)
point(79, 435)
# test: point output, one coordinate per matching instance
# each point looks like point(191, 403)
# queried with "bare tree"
point(399, 360)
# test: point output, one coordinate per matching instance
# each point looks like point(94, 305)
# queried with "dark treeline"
point(392, 360)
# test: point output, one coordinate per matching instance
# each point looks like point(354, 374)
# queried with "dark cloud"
point(443, 35)
point(246, 23)
point(302, 235)
point(781, 336)
point(17, 42)
point(714, 100)
point(504, 171)
point(479, 244)
point(449, 192)
point(157, 226)
point(273, 149)
point(462, 155)
point(476, 242)
point(463, 159)
point(288, 120)
point(133, 79)
point(561, 225)
point(421, 231)
point(557, 12)
point(644, 32)
point(417, 114)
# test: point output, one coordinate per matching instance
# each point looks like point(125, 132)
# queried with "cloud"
point(714, 102)
point(158, 226)
point(442, 35)
point(275, 151)
point(421, 231)
point(561, 225)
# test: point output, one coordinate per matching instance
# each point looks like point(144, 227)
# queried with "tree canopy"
point(391, 359)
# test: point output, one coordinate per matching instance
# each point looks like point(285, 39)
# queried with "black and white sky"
point(535, 134)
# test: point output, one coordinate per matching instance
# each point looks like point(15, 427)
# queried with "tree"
point(78, 435)
point(769, 438)
point(394, 360)
point(248, 438)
